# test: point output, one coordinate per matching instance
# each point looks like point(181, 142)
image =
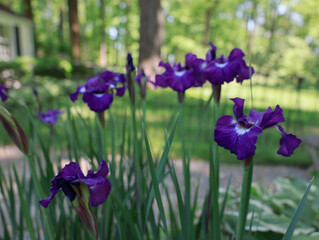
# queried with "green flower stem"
point(214, 191)
point(186, 171)
point(244, 197)
point(137, 161)
point(215, 147)
point(144, 112)
point(101, 117)
point(214, 176)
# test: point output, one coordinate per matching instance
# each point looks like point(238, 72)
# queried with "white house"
point(16, 35)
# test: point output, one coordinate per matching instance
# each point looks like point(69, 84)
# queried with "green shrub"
point(81, 69)
point(53, 67)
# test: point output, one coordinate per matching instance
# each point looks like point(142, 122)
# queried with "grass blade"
point(222, 209)
point(24, 206)
point(161, 166)
point(290, 230)
point(155, 185)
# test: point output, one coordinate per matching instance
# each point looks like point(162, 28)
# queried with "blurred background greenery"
point(279, 37)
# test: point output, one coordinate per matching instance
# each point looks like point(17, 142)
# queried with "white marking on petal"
point(98, 95)
point(241, 130)
point(221, 65)
point(82, 90)
point(204, 64)
point(47, 118)
point(179, 74)
point(112, 86)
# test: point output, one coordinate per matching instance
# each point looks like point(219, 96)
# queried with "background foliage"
point(280, 36)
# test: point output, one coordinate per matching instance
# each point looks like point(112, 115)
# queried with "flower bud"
point(81, 205)
point(130, 65)
point(14, 131)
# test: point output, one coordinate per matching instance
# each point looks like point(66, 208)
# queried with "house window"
point(5, 49)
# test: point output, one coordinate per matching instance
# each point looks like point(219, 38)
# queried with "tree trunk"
point(152, 22)
point(28, 9)
point(103, 61)
point(74, 26)
point(208, 15)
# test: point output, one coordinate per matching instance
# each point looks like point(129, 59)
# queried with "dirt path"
point(264, 174)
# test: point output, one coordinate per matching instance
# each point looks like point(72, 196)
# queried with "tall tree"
point(102, 33)
point(28, 9)
point(152, 22)
point(74, 26)
point(208, 16)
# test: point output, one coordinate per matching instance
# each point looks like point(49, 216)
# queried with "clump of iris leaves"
point(149, 212)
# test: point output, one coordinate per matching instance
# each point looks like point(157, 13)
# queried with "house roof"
point(8, 10)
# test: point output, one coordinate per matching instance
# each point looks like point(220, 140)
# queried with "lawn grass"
point(300, 110)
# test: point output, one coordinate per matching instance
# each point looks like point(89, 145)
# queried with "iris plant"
point(98, 91)
point(82, 191)
point(196, 71)
point(220, 70)
point(3, 93)
point(225, 69)
point(50, 116)
point(239, 135)
point(177, 77)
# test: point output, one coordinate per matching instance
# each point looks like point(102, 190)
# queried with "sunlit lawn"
point(300, 111)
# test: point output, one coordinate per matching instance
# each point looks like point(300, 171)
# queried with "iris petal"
point(50, 116)
point(246, 143)
point(271, 118)
point(238, 107)
point(98, 102)
point(288, 143)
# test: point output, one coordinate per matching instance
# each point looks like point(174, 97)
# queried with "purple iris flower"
point(239, 135)
point(4, 93)
point(197, 65)
point(219, 70)
point(98, 91)
point(71, 176)
point(222, 69)
point(177, 77)
point(51, 116)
